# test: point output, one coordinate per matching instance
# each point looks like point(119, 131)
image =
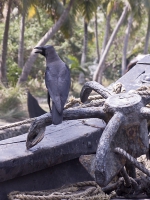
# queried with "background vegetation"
point(96, 38)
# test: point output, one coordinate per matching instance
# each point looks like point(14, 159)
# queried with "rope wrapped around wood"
point(88, 190)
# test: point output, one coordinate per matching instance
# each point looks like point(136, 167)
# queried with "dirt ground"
point(142, 159)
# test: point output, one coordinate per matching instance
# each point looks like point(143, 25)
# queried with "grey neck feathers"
point(51, 55)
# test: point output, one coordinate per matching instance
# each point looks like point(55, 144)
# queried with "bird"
point(57, 81)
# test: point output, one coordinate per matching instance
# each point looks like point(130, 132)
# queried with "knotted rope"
point(88, 190)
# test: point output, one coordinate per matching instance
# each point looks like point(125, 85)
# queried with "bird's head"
point(43, 49)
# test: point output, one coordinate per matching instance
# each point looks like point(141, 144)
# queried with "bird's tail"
point(57, 117)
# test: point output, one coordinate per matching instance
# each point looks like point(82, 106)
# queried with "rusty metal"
point(126, 128)
point(126, 177)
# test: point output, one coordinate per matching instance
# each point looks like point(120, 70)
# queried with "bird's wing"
point(51, 81)
point(64, 84)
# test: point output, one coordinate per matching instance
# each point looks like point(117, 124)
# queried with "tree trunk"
point(124, 53)
point(3, 68)
point(99, 72)
point(84, 53)
point(96, 38)
point(28, 65)
point(107, 32)
point(21, 41)
point(147, 35)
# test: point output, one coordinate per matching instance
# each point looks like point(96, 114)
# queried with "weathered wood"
point(13, 132)
point(49, 178)
point(132, 79)
point(61, 143)
point(37, 128)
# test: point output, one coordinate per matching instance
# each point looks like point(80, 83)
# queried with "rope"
point(142, 91)
point(133, 160)
point(118, 88)
point(17, 123)
point(88, 190)
point(73, 100)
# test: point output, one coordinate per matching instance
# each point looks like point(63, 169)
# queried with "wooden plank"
point(50, 178)
point(61, 143)
point(131, 80)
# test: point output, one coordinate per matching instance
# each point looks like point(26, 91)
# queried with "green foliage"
point(11, 107)
point(74, 65)
point(86, 8)
point(37, 87)
point(68, 40)
point(13, 74)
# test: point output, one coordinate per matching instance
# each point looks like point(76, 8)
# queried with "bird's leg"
point(48, 101)
point(92, 85)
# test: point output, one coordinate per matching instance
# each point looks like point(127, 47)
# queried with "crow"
point(57, 80)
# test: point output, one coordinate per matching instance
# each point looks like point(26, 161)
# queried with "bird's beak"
point(39, 49)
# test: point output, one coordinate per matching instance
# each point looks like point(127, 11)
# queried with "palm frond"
point(86, 8)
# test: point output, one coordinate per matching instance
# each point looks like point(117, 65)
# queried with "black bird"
point(57, 80)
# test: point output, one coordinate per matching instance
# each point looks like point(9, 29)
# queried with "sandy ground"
point(143, 160)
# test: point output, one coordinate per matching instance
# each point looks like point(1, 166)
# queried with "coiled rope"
point(88, 190)
point(133, 160)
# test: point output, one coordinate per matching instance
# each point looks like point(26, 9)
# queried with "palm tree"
point(27, 66)
point(96, 37)
point(22, 5)
point(3, 69)
point(147, 7)
point(135, 15)
point(108, 6)
point(25, 7)
point(126, 38)
point(87, 9)
point(21, 40)
point(85, 43)
point(99, 71)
